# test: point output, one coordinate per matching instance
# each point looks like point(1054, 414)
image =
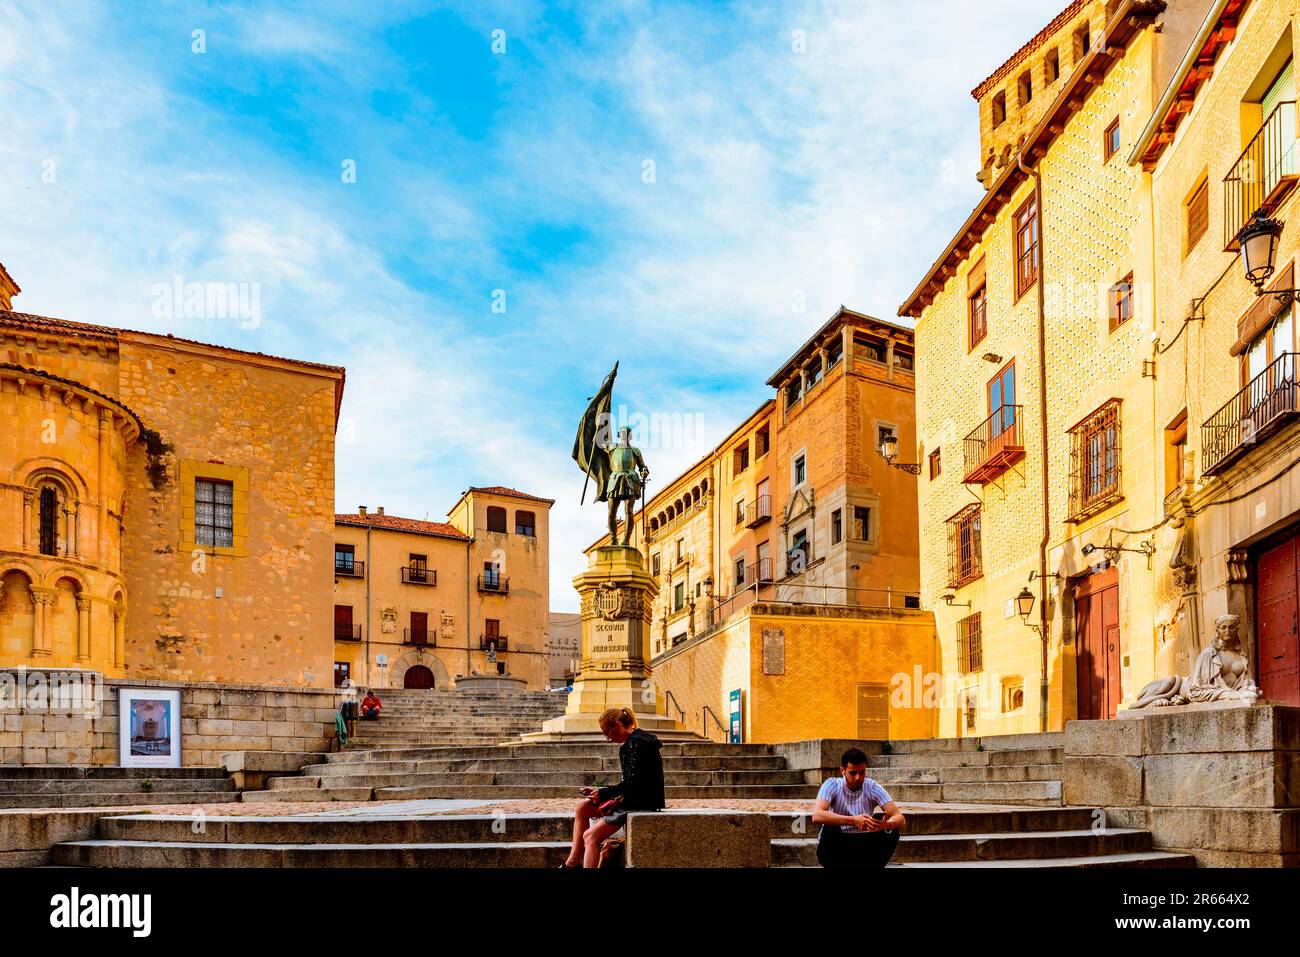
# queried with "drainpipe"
point(1044, 611)
point(469, 655)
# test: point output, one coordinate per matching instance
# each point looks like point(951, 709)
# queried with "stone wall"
point(1221, 784)
point(215, 719)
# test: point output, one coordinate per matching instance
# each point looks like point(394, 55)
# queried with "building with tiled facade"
point(797, 509)
point(166, 506)
point(1060, 544)
point(417, 603)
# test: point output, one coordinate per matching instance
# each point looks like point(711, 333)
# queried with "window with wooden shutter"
point(1026, 225)
point(1198, 215)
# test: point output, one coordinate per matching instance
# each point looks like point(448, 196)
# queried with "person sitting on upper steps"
point(370, 706)
point(860, 821)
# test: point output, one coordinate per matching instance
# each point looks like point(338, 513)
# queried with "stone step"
point(514, 791)
point(538, 779)
point(110, 785)
point(100, 853)
point(675, 749)
point(1012, 845)
point(308, 794)
point(131, 799)
point(448, 828)
point(1035, 793)
point(954, 759)
point(994, 742)
point(993, 772)
point(33, 771)
point(497, 764)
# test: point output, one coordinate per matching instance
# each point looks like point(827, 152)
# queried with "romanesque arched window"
point(49, 520)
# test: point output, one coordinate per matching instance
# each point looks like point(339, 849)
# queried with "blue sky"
point(783, 179)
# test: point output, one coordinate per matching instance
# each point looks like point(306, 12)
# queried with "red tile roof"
point(514, 493)
point(396, 524)
point(1020, 55)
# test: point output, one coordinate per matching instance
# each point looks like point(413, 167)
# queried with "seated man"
point(370, 706)
point(860, 821)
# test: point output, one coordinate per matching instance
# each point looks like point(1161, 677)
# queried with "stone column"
point(70, 530)
point(101, 490)
point(119, 636)
point(29, 504)
point(83, 628)
point(889, 357)
point(42, 598)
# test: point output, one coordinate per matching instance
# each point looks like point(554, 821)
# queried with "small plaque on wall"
point(149, 728)
point(773, 651)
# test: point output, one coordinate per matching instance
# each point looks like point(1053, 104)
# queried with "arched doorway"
point(418, 677)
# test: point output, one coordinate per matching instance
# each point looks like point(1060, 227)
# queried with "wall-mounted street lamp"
point(1258, 239)
point(889, 452)
point(949, 599)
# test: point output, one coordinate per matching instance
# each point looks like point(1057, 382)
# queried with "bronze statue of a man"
point(618, 467)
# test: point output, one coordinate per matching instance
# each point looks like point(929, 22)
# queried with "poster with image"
point(149, 729)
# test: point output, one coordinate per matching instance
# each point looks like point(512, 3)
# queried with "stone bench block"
point(698, 839)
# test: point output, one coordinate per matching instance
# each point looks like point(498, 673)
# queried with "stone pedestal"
point(507, 683)
point(617, 595)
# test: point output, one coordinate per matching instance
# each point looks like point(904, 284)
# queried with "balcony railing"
point(349, 569)
point(1268, 400)
point(760, 571)
point(347, 632)
point(493, 583)
point(415, 575)
point(758, 511)
point(994, 446)
point(1263, 174)
point(419, 636)
point(500, 641)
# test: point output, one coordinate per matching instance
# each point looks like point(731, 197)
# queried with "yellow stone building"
point(418, 603)
point(166, 506)
point(1054, 316)
point(787, 556)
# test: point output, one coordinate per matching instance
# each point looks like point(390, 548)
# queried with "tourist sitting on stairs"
point(370, 706)
point(860, 821)
point(642, 788)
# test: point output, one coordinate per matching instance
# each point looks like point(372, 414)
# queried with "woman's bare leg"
point(595, 834)
point(581, 819)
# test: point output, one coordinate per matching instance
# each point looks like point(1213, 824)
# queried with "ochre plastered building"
point(1049, 334)
point(433, 597)
point(787, 556)
point(166, 506)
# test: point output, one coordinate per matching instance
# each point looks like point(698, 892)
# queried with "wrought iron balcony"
point(760, 571)
point(1264, 173)
point(758, 511)
point(994, 446)
point(347, 632)
point(349, 569)
point(1257, 410)
point(419, 636)
point(493, 583)
point(501, 642)
point(416, 575)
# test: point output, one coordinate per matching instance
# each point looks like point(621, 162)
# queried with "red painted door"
point(1096, 629)
point(1275, 614)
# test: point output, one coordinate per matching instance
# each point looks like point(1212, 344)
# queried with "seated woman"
point(642, 787)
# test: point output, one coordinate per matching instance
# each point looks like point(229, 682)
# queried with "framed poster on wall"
point(149, 728)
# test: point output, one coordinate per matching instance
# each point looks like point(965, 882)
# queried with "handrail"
point(680, 710)
point(1257, 172)
point(350, 569)
point(417, 575)
point(1239, 422)
point(721, 727)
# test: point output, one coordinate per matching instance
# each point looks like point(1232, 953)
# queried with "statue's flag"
point(594, 436)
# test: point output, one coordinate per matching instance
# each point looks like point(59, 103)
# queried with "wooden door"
point(419, 627)
point(1097, 657)
point(418, 677)
point(1275, 615)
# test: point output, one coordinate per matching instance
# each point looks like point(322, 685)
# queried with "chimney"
point(361, 510)
point(8, 288)
point(379, 510)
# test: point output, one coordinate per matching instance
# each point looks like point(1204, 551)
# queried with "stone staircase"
point(59, 786)
point(1020, 769)
point(945, 837)
point(691, 770)
point(411, 719)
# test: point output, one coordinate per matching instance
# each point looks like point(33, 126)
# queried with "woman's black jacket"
point(642, 787)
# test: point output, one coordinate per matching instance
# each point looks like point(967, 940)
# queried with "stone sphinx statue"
point(1219, 674)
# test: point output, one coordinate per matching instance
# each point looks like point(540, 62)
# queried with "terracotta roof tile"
point(396, 524)
point(1036, 41)
point(514, 493)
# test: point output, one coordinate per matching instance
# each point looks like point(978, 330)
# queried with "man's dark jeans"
point(872, 849)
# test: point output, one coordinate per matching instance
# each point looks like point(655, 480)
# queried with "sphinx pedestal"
point(617, 595)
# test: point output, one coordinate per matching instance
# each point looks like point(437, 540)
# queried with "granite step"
point(992, 773)
point(538, 779)
point(967, 758)
point(128, 799)
point(578, 764)
point(988, 846)
point(991, 792)
point(12, 786)
point(81, 771)
point(995, 742)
